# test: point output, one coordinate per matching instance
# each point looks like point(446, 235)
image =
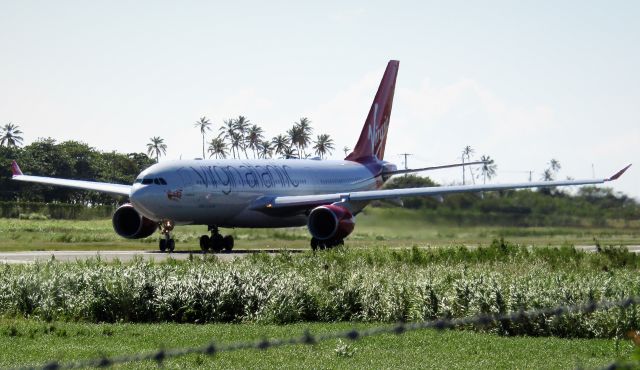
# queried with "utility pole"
point(530, 173)
point(406, 167)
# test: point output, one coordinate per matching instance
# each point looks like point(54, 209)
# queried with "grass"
point(380, 259)
point(376, 227)
point(356, 285)
point(32, 342)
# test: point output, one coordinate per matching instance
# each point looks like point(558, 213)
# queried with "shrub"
point(373, 286)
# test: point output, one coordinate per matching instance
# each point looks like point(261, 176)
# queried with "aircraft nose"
point(141, 198)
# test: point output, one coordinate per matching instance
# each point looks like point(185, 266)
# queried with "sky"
point(522, 82)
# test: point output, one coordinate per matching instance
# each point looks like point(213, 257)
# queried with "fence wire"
point(213, 348)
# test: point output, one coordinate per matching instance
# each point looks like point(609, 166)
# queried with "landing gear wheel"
point(163, 245)
point(314, 244)
point(205, 242)
point(216, 241)
point(166, 243)
point(227, 243)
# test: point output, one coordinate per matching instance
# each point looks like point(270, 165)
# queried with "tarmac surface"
point(124, 256)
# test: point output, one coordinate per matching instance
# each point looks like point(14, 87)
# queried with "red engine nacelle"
point(330, 222)
point(130, 224)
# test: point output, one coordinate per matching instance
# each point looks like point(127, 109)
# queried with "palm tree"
point(290, 152)
point(488, 168)
point(547, 175)
point(217, 148)
point(203, 124)
point(156, 147)
point(295, 136)
point(346, 150)
point(323, 145)
point(554, 165)
point(10, 135)
point(254, 138)
point(265, 149)
point(280, 144)
point(227, 132)
point(304, 126)
point(550, 173)
point(242, 126)
point(236, 143)
point(466, 154)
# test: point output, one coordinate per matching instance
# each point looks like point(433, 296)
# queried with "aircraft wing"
point(412, 170)
point(307, 201)
point(117, 189)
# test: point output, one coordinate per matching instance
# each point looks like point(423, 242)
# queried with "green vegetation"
point(589, 207)
point(32, 342)
point(69, 159)
point(378, 285)
point(376, 227)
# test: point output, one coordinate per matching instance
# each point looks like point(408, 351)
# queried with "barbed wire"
point(308, 338)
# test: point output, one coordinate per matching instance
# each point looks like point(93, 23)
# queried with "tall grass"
point(340, 285)
point(36, 210)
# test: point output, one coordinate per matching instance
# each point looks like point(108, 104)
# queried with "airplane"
point(324, 195)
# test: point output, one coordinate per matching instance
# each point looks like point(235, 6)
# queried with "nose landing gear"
point(216, 242)
point(167, 243)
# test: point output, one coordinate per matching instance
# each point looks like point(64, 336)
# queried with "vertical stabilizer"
point(374, 133)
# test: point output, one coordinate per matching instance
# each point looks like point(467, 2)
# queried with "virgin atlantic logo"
point(377, 132)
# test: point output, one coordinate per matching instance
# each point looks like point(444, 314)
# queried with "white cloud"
point(436, 122)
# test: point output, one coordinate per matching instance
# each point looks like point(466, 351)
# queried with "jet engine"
point(130, 224)
point(330, 222)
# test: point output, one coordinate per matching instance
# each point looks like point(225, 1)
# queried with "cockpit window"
point(151, 180)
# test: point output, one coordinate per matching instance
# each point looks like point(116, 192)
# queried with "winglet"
point(618, 174)
point(15, 169)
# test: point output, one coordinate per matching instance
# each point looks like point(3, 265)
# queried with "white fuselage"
point(221, 192)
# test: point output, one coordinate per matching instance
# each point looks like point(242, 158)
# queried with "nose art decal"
point(175, 194)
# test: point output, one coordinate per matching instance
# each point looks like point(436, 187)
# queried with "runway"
point(593, 248)
point(126, 256)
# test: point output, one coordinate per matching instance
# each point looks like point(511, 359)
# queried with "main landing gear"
point(325, 244)
point(216, 242)
point(167, 243)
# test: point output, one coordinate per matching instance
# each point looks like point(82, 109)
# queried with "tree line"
point(68, 159)
point(237, 137)
point(77, 160)
point(589, 206)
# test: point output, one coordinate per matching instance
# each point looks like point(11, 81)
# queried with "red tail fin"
point(374, 133)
